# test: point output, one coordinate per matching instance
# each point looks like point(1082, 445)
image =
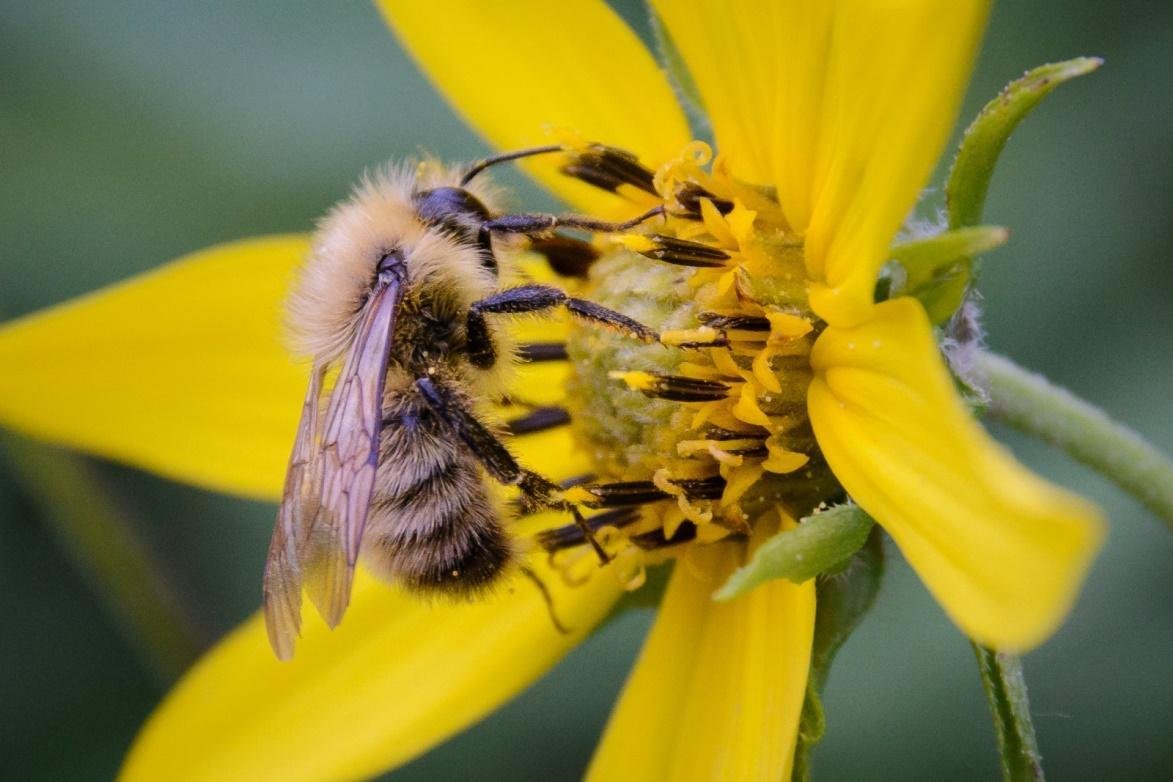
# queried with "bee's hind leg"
point(537, 491)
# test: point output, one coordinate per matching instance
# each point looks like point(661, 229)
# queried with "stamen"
point(740, 305)
point(567, 256)
point(688, 197)
point(679, 252)
point(631, 493)
point(656, 539)
point(746, 446)
point(739, 322)
point(673, 387)
point(538, 421)
point(674, 488)
point(542, 351)
point(609, 168)
point(572, 535)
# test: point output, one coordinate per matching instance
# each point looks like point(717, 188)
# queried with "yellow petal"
point(1002, 550)
point(896, 73)
point(514, 71)
point(398, 676)
point(801, 96)
point(719, 687)
point(759, 66)
point(181, 371)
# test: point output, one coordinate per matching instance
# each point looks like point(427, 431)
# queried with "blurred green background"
point(134, 132)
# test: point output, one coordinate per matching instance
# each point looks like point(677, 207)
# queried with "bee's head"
point(459, 213)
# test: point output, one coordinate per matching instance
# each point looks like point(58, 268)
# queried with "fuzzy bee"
point(395, 305)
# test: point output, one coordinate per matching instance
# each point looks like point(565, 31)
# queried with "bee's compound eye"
point(459, 212)
point(448, 207)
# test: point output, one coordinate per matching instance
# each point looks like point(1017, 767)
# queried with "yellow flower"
point(828, 117)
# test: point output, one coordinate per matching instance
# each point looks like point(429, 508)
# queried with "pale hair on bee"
point(395, 304)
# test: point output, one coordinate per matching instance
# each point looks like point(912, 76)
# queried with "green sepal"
point(821, 543)
point(1005, 689)
point(843, 600)
point(925, 259)
point(937, 267)
point(969, 179)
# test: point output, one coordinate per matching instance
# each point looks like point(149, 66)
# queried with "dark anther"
point(734, 322)
point(710, 488)
point(689, 196)
point(684, 253)
point(655, 539)
point(684, 389)
point(572, 535)
point(608, 168)
point(718, 341)
point(719, 433)
point(630, 493)
point(567, 256)
point(542, 351)
point(538, 421)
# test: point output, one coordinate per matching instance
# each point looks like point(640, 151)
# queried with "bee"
point(395, 303)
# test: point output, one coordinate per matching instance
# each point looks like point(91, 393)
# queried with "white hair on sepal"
point(963, 339)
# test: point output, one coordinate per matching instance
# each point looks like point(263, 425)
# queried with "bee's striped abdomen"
point(432, 524)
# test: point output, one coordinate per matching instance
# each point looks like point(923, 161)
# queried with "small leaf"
point(969, 179)
point(1005, 688)
point(937, 267)
point(843, 600)
point(924, 259)
point(818, 544)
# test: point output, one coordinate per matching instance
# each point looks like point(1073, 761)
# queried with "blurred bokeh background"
point(134, 132)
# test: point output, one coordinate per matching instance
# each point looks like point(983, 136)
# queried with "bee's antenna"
point(505, 158)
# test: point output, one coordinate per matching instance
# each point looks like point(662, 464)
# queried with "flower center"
point(715, 416)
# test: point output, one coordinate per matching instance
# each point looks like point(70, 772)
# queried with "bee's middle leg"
point(537, 491)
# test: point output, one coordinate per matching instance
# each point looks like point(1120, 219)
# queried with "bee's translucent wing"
point(349, 455)
point(299, 506)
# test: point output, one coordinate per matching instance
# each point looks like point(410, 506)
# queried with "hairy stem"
point(1005, 688)
point(1031, 403)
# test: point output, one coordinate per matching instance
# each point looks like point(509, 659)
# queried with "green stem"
point(1031, 403)
point(1005, 688)
point(94, 532)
